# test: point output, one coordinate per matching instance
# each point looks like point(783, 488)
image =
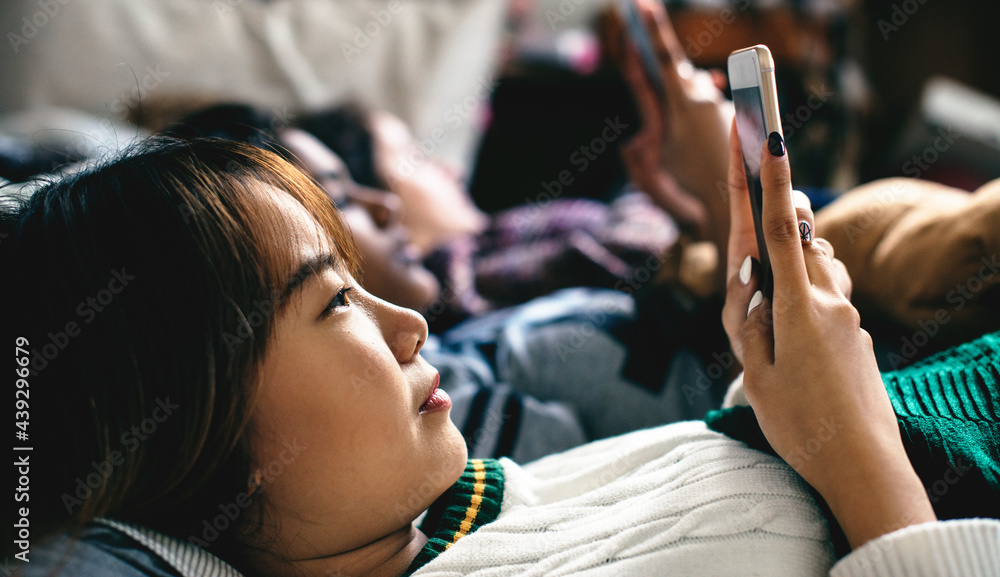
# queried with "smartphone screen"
point(752, 132)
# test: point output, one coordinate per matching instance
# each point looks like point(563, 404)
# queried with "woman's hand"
point(809, 369)
point(679, 155)
point(743, 262)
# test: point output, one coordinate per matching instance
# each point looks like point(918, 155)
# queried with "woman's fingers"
point(742, 238)
point(819, 265)
point(782, 240)
point(611, 33)
point(668, 50)
point(817, 252)
point(666, 44)
point(843, 278)
point(645, 97)
point(804, 215)
point(742, 246)
point(780, 222)
point(740, 289)
point(825, 271)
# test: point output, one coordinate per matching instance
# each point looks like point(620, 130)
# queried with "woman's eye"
point(341, 300)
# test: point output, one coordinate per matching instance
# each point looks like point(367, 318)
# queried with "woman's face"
point(391, 265)
point(436, 206)
point(351, 437)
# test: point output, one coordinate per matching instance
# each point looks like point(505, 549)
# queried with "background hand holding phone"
point(641, 40)
point(679, 154)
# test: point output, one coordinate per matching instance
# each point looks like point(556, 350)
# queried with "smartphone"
point(751, 78)
point(644, 44)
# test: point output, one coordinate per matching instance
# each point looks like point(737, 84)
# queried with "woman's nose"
point(405, 331)
point(383, 206)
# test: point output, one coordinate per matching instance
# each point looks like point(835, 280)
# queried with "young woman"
point(199, 344)
point(203, 328)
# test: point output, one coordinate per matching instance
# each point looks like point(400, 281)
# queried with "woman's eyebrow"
point(311, 267)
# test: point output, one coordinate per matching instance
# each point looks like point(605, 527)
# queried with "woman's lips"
point(437, 400)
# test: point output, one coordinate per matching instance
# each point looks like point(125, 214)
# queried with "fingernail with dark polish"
point(775, 144)
point(805, 231)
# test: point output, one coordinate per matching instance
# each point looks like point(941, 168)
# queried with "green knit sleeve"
point(946, 406)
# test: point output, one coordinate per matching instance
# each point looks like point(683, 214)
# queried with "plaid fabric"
point(617, 363)
point(535, 249)
point(808, 7)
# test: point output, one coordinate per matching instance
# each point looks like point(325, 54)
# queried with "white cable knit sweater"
point(684, 500)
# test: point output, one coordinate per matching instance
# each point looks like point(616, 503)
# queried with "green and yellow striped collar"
point(473, 501)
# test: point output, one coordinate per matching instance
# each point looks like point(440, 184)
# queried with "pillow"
point(921, 255)
point(418, 60)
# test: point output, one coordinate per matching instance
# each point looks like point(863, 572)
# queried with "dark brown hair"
point(146, 289)
point(347, 130)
